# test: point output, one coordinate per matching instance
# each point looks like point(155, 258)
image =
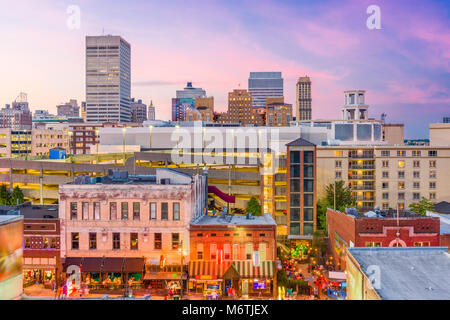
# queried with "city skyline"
point(408, 56)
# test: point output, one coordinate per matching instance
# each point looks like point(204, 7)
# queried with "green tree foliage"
point(422, 206)
point(253, 207)
point(344, 200)
point(17, 196)
point(5, 196)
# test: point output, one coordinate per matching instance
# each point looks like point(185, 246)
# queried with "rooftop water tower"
point(355, 107)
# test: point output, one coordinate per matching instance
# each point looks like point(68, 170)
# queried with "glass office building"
point(264, 84)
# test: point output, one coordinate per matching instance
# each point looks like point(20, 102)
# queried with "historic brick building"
point(365, 230)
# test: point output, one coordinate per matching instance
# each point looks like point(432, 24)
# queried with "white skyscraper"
point(108, 73)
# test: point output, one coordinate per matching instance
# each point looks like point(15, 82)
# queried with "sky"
point(404, 66)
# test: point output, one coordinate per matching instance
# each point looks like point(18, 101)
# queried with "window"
point(164, 211)
point(92, 241)
point(373, 244)
point(401, 163)
point(432, 185)
point(422, 244)
point(385, 153)
point(432, 196)
point(432, 153)
point(158, 241)
point(175, 241)
point(308, 156)
point(262, 251)
point(385, 206)
point(416, 164)
point(116, 241)
point(73, 211)
point(45, 243)
point(308, 200)
point(295, 171)
point(308, 171)
point(416, 185)
point(176, 211)
point(75, 241)
point(97, 211)
point(85, 210)
point(432, 163)
point(401, 206)
point(338, 175)
point(295, 157)
point(338, 153)
point(338, 164)
point(432, 174)
point(27, 242)
point(385, 175)
point(401, 185)
point(124, 210)
point(227, 251)
point(385, 164)
point(385, 185)
point(236, 251)
point(385, 196)
point(308, 214)
point(153, 211)
point(199, 251)
point(401, 153)
point(248, 251)
point(416, 175)
point(113, 210)
point(213, 251)
point(416, 153)
point(295, 185)
point(134, 241)
point(401, 174)
point(416, 196)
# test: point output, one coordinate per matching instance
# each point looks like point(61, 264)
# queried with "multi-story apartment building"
point(240, 109)
point(386, 176)
point(15, 143)
point(264, 84)
point(394, 133)
point(108, 84)
point(304, 101)
point(233, 252)
point(124, 217)
point(138, 111)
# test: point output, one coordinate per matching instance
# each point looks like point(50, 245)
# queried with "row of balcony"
point(363, 187)
point(361, 156)
point(361, 177)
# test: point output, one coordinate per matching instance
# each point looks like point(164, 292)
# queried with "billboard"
point(11, 253)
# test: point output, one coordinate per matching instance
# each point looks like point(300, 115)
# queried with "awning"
point(337, 276)
point(163, 276)
point(75, 261)
point(247, 270)
point(112, 265)
point(91, 265)
point(201, 269)
point(134, 265)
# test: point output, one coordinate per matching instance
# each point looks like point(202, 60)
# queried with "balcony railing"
point(364, 199)
point(361, 177)
point(361, 156)
point(363, 187)
point(361, 166)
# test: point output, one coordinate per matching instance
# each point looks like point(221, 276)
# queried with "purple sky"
point(215, 44)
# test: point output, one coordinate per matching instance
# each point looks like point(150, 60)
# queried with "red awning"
point(134, 265)
point(71, 261)
point(112, 265)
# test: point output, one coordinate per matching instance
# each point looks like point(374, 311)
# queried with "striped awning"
point(212, 269)
point(246, 269)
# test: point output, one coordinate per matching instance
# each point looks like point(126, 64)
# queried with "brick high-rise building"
point(304, 101)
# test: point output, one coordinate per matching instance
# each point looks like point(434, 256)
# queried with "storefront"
point(205, 277)
point(133, 269)
point(40, 270)
point(255, 280)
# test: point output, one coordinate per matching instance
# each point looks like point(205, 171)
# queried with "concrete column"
point(41, 193)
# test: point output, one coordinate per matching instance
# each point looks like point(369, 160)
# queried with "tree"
point(5, 196)
point(253, 207)
point(422, 206)
point(17, 196)
point(344, 198)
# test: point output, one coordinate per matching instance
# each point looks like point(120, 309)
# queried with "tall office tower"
point(264, 84)
point(68, 109)
point(108, 72)
point(138, 111)
point(151, 111)
point(304, 101)
point(185, 99)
